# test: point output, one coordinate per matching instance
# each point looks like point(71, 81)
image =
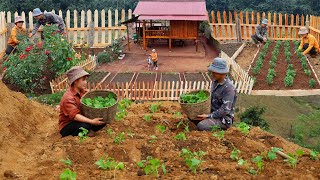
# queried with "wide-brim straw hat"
point(303, 30)
point(219, 65)
point(18, 19)
point(36, 12)
point(75, 73)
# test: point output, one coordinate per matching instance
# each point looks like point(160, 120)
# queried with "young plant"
point(119, 138)
point(198, 97)
point(66, 162)
point(219, 134)
point(153, 139)
point(272, 154)
point(294, 158)
point(314, 155)
point(312, 83)
point(181, 136)
point(68, 174)
point(192, 159)
point(243, 127)
point(151, 166)
point(109, 164)
point(269, 79)
point(288, 81)
point(83, 134)
point(109, 131)
point(259, 162)
point(147, 117)
point(235, 154)
point(154, 108)
point(121, 114)
point(242, 162)
point(307, 72)
point(186, 126)
point(215, 128)
point(177, 114)
point(161, 128)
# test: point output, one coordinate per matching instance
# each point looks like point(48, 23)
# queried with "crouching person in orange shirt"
point(70, 119)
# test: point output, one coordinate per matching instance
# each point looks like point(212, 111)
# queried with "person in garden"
point(308, 44)
point(46, 19)
point(223, 99)
point(15, 32)
point(261, 33)
point(154, 57)
point(70, 119)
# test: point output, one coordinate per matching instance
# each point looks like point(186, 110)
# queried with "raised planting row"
point(279, 67)
point(96, 77)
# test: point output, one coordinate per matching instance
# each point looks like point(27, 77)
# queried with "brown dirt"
point(96, 77)
point(301, 80)
point(170, 77)
point(245, 57)
point(194, 77)
point(230, 48)
point(146, 77)
point(32, 148)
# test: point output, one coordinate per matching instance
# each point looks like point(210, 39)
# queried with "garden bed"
point(230, 48)
point(146, 77)
point(170, 77)
point(301, 80)
point(246, 56)
point(96, 77)
point(194, 77)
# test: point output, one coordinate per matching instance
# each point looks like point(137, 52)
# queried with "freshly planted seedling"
point(100, 102)
point(294, 158)
point(259, 162)
point(147, 117)
point(119, 138)
point(109, 131)
point(177, 114)
point(83, 134)
point(121, 114)
point(314, 155)
point(312, 83)
point(154, 108)
point(161, 128)
point(66, 162)
point(191, 98)
point(68, 174)
point(192, 159)
point(307, 72)
point(122, 106)
point(252, 171)
point(219, 135)
point(235, 154)
point(242, 162)
point(243, 127)
point(272, 154)
point(186, 126)
point(153, 139)
point(151, 166)
point(109, 164)
point(181, 136)
point(215, 128)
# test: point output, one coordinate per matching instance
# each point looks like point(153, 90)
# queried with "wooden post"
point(238, 30)
point(197, 40)
point(144, 35)
point(128, 36)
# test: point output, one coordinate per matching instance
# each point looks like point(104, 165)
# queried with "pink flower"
point(44, 77)
point(69, 59)
point(23, 56)
point(28, 48)
point(47, 52)
point(4, 69)
point(40, 44)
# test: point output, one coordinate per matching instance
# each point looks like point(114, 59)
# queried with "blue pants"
point(205, 125)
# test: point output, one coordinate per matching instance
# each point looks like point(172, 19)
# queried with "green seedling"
point(252, 171)
point(119, 138)
point(312, 83)
point(109, 164)
point(177, 114)
point(242, 162)
point(243, 127)
point(181, 136)
point(215, 128)
point(68, 174)
point(192, 159)
point(161, 128)
point(153, 139)
point(219, 135)
point(66, 162)
point(121, 114)
point(147, 117)
point(186, 126)
point(109, 131)
point(294, 158)
point(272, 154)
point(83, 134)
point(154, 108)
point(314, 155)
point(235, 154)
point(151, 166)
point(259, 162)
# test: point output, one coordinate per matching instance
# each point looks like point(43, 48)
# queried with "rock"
point(10, 174)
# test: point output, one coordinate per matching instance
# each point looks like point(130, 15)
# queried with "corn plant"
point(192, 159)
point(151, 166)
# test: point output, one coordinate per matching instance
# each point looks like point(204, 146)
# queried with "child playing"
point(149, 60)
point(16, 30)
point(154, 57)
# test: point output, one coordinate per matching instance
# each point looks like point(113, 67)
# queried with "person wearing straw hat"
point(308, 44)
point(70, 119)
point(44, 19)
point(154, 57)
point(223, 99)
point(15, 32)
point(261, 33)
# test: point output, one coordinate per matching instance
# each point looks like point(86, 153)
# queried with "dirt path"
point(246, 56)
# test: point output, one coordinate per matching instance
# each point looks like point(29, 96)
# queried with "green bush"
point(306, 130)
point(312, 83)
point(104, 57)
point(253, 117)
point(50, 99)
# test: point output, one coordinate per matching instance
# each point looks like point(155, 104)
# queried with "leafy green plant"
point(68, 174)
point(66, 162)
point(259, 162)
point(83, 134)
point(312, 83)
point(181, 136)
point(154, 108)
point(122, 106)
point(243, 127)
point(192, 97)
point(307, 72)
point(147, 117)
point(186, 126)
point(272, 154)
point(153, 139)
point(177, 114)
point(219, 134)
point(161, 128)
point(151, 166)
point(294, 158)
point(235, 154)
point(192, 159)
point(109, 131)
point(215, 128)
point(288, 81)
point(109, 164)
point(269, 79)
point(104, 57)
point(100, 102)
point(121, 114)
point(50, 99)
point(119, 138)
point(314, 155)
point(252, 171)
point(242, 162)
point(253, 117)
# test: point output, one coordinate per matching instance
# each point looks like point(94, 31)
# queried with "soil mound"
point(31, 147)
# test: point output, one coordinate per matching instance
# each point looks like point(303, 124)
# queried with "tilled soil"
point(301, 80)
point(230, 48)
point(245, 57)
point(194, 77)
point(31, 147)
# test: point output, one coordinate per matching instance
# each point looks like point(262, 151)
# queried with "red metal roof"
point(192, 10)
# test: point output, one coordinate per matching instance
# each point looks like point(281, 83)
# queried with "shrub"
point(253, 116)
point(312, 83)
point(50, 99)
point(104, 57)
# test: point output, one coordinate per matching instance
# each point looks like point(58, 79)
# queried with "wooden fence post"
point(238, 30)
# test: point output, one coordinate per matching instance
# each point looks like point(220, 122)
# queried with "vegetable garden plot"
point(96, 77)
point(148, 87)
point(230, 48)
point(277, 67)
point(194, 77)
